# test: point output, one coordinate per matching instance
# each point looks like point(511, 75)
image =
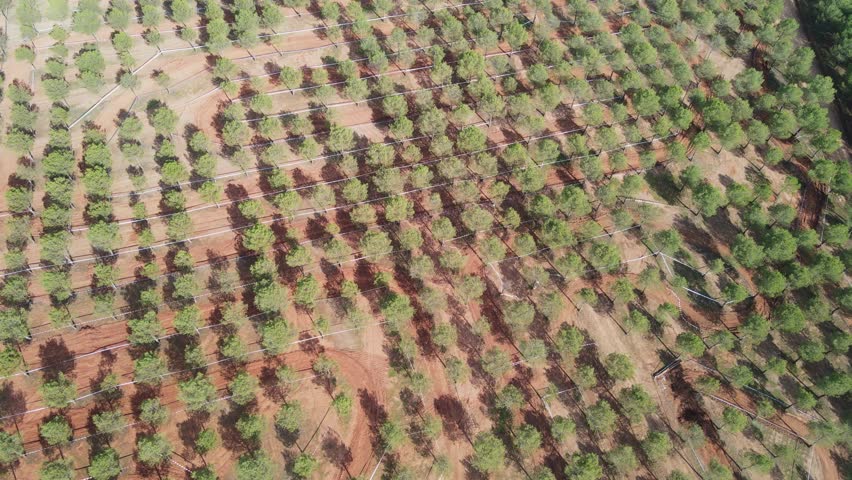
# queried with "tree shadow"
point(456, 421)
point(55, 354)
point(336, 451)
point(375, 412)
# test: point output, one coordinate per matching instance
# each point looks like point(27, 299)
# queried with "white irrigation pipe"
point(279, 53)
point(119, 346)
point(667, 266)
point(381, 97)
point(124, 345)
point(223, 360)
point(700, 463)
point(783, 429)
point(77, 325)
point(536, 252)
point(258, 169)
point(703, 296)
point(337, 83)
point(123, 427)
point(139, 35)
point(378, 464)
point(307, 213)
point(547, 405)
point(173, 50)
point(113, 90)
point(116, 316)
point(179, 465)
point(93, 258)
point(717, 301)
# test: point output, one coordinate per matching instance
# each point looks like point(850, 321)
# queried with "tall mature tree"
point(489, 453)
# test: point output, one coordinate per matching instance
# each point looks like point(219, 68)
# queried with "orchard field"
point(506, 239)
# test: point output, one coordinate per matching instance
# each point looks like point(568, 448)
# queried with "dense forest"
point(830, 25)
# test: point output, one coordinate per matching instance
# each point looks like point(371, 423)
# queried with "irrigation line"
point(179, 465)
point(278, 53)
point(113, 90)
point(356, 259)
point(291, 90)
point(699, 294)
point(119, 346)
point(205, 206)
point(381, 97)
point(244, 172)
point(667, 266)
point(700, 463)
point(159, 339)
point(223, 360)
point(253, 170)
point(378, 464)
point(784, 429)
point(262, 36)
point(536, 252)
point(93, 258)
point(315, 265)
point(124, 427)
point(140, 35)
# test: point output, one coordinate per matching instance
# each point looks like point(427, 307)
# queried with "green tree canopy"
point(197, 393)
point(304, 465)
point(153, 450)
point(601, 417)
point(57, 470)
point(619, 366)
point(58, 392)
point(489, 453)
point(584, 466)
point(255, 466)
point(56, 431)
point(656, 445)
point(11, 448)
point(636, 402)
